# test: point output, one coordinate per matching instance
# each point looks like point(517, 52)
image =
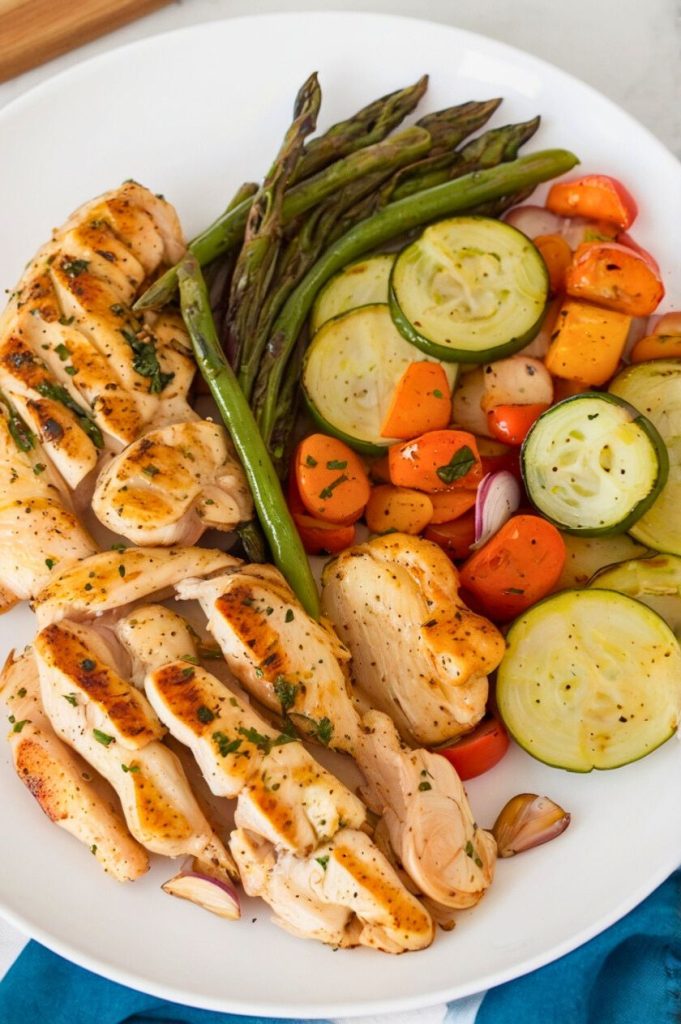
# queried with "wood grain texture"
point(35, 31)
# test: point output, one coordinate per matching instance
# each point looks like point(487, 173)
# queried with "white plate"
point(192, 114)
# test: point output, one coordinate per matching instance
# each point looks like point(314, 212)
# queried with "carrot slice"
point(318, 536)
point(557, 256)
point(331, 479)
point(616, 277)
point(436, 461)
point(518, 566)
point(422, 401)
point(596, 196)
point(656, 346)
point(454, 538)
point(398, 508)
point(587, 344)
point(448, 505)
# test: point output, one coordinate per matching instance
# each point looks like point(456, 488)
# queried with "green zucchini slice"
point(590, 679)
point(585, 556)
point(655, 389)
point(656, 581)
point(363, 283)
point(352, 367)
point(469, 289)
point(593, 464)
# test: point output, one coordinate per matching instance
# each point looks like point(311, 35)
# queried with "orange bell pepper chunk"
point(616, 277)
point(587, 344)
point(422, 401)
point(596, 196)
point(656, 346)
point(449, 505)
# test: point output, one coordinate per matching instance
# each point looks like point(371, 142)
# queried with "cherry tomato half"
point(480, 750)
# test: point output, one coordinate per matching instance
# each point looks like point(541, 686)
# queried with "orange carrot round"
point(448, 505)
point(519, 565)
point(398, 508)
point(436, 461)
point(454, 538)
point(656, 346)
point(331, 479)
point(557, 256)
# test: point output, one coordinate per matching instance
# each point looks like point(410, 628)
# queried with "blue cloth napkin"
point(630, 974)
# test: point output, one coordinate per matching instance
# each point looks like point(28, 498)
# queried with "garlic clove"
point(526, 821)
point(207, 891)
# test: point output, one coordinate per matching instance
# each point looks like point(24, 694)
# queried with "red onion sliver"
point(497, 499)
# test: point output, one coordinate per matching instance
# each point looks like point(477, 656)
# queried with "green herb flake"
point(424, 786)
point(121, 571)
point(469, 849)
point(190, 658)
point(74, 268)
point(187, 673)
point(132, 767)
point(21, 692)
point(39, 468)
point(50, 562)
point(204, 714)
point(337, 464)
point(71, 370)
point(458, 466)
point(72, 698)
point(146, 362)
point(289, 617)
point(18, 726)
point(151, 470)
point(57, 393)
point(311, 462)
point(323, 861)
point(118, 547)
point(66, 321)
point(225, 745)
point(322, 730)
point(63, 352)
point(265, 743)
point(437, 393)
point(93, 849)
point(102, 737)
point(326, 493)
point(285, 692)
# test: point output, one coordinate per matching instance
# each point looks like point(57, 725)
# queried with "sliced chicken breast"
point(426, 811)
point(61, 781)
point(345, 893)
point(39, 532)
point(172, 485)
point(112, 580)
point(418, 652)
point(159, 807)
point(289, 662)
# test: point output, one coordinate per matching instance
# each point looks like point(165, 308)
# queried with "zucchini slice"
point(656, 581)
point(590, 679)
point(352, 367)
point(363, 283)
point(655, 389)
point(585, 556)
point(593, 464)
point(470, 289)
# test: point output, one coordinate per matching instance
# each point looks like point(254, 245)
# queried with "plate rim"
point(166, 990)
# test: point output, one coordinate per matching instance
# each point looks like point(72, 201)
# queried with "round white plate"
point(192, 115)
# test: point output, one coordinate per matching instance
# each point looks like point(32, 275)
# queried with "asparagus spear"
point(269, 501)
point(257, 258)
point(444, 200)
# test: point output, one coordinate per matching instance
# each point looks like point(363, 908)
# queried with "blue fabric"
point(631, 974)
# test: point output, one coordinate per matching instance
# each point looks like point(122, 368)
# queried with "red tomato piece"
point(597, 196)
point(518, 566)
point(318, 536)
point(480, 750)
point(511, 423)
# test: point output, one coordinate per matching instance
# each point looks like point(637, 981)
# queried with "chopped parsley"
point(322, 730)
point(265, 743)
point(437, 393)
point(132, 767)
point(204, 714)
point(21, 434)
point(187, 673)
point(74, 268)
point(50, 562)
point(285, 692)
point(121, 571)
point(39, 468)
point(190, 658)
point(424, 786)
point(63, 352)
point(18, 726)
point(337, 464)
point(311, 462)
point(59, 394)
point(72, 698)
point(225, 745)
point(151, 470)
point(460, 463)
point(102, 737)
point(326, 492)
point(146, 362)
point(323, 860)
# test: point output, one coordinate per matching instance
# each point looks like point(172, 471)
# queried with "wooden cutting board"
point(35, 31)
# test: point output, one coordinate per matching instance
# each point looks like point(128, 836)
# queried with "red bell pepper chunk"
point(597, 196)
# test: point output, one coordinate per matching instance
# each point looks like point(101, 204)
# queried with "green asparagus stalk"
point(259, 252)
point(442, 201)
point(447, 128)
point(271, 507)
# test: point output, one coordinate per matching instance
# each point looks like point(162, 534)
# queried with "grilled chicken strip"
point(425, 808)
point(111, 580)
point(285, 659)
point(418, 652)
point(282, 793)
point(59, 779)
point(39, 533)
point(113, 727)
point(346, 893)
point(172, 485)
point(81, 368)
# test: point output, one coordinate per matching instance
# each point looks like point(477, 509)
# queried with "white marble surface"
point(628, 49)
